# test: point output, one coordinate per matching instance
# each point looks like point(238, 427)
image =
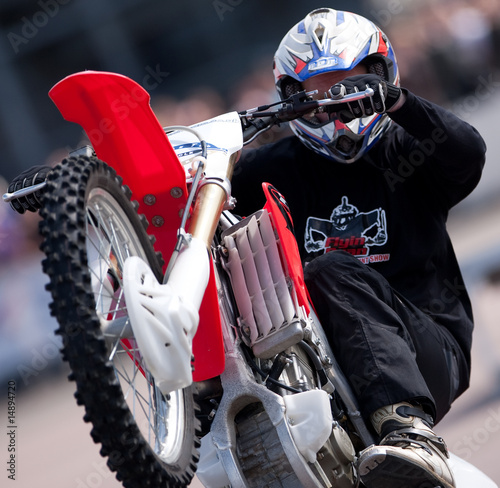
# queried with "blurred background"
point(198, 59)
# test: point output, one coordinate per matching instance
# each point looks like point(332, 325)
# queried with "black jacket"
point(388, 208)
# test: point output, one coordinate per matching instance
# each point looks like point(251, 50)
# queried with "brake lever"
point(23, 192)
point(352, 97)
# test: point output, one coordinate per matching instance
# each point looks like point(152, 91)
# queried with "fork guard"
point(164, 318)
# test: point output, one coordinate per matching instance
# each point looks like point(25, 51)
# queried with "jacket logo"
point(348, 230)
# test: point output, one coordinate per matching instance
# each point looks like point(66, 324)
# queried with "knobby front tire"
point(89, 228)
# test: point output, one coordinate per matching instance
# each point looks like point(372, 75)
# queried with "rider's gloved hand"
point(30, 177)
point(386, 98)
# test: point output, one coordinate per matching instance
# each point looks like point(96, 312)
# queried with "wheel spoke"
point(98, 233)
point(145, 404)
point(106, 236)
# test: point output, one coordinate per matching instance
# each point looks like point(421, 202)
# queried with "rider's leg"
point(388, 349)
point(391, 352)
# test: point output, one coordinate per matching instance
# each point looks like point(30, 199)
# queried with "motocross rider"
point(369, 189)
point(374, 183)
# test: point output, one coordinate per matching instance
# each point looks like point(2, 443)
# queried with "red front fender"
point(115, 113)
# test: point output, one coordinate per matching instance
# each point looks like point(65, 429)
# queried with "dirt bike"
point(212, 361)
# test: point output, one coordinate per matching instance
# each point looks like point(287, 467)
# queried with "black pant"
point(389, 350)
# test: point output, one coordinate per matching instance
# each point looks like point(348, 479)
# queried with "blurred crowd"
point(446, 49)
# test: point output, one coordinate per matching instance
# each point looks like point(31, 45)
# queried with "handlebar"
point(259, 119)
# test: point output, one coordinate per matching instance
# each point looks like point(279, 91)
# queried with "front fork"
point(164, 317)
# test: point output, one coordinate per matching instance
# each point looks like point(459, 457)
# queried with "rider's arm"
point(451, 150)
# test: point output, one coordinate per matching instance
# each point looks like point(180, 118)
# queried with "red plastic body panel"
point(115, 113)
point(280, 214)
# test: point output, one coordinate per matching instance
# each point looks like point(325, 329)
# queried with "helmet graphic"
point(329, 40)
point(343, 214)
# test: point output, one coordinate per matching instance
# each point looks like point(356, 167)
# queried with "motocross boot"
point(410, 454)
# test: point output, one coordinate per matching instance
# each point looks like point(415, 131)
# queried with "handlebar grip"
point(23, 192)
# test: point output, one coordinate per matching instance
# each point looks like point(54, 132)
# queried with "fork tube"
point(208, 207)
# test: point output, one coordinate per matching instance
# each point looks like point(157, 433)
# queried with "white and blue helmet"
point(330, 40)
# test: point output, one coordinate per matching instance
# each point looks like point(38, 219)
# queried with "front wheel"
point(89, 228)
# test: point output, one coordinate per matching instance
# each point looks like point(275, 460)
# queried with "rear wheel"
point(260, 453)
point(89, 228)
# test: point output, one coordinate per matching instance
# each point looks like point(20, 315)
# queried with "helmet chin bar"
point(347, 151)
point(345, 145)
